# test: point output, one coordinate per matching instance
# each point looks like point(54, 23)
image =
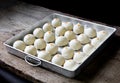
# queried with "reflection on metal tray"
point(32, 60)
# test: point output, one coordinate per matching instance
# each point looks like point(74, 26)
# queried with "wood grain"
point(104, 69)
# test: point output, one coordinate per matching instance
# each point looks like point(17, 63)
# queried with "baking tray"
point(34, 61)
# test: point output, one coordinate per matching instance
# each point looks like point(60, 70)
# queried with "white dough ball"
point(78, 28)
point(30, 50)
point(19, 44)
point(95, 42)
point(58, 59)
point(40, 44)
point(61, 41)
point(75, 44)
point(70, 35)
point(90, 32)
point(47, 27)
point(56, 22)
point(44, 55)
point(84, 39)
point(68, 25)
point(67, 52)
point(29, 39)
point(60, 30)
point(38, 32)
point(52, 48)
point(49, 36)
point(79, 57)
point(88, 49)
point(102, 34)
point(70, 65)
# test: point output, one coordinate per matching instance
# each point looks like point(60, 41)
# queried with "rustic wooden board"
point(104, 69)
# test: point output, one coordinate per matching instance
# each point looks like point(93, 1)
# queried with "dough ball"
point(38, 32)
point(40, 44)
point(67, 52)
point(60, 30)
point(75, 44)
point(19, 44)
point(70, 35)
point(31, 50)
point(88, 49)
point(61, 41)
point(84, 39)
point(68, 25)
point(58, 59)
point(49, 36)
point(44, 55)
point(29, 39)
point(56, 22)
point(78, 28)
point(90, 32)
point(102, 34)
point(79, 57)
point(95, 42)
point(70, 65)
point(47, 27)
point(52, 48)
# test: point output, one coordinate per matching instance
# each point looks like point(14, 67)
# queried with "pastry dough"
point(29, 39)
point(47, 27)
point(84, 39)
point(40, 44)
point(49, 36)
point(70, 35)
point(52, 48)
point(68, 25)
point(90, 32)
point(60, 30)
point(58, 59)
point(75, 44)
point(78, 28)
point(38, 32)
point(44, 55)
point(31, 50)
point(19, 44)
point(67, 52)
point(56, 22)
point(61, 41)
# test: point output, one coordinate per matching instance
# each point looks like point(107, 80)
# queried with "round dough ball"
point(51, 48)
point(70, 65)
point(19, 44)
point(84, 39)
point(47, 27)
point(31, 50)
point(68, 25)
point(78, 28)
point(44, 55)
point(70, 35)
point(79, 57)
point(67, 52)
point(75, 44)
point(95, 42)
point(60, 30)
point(56, 22)
point(88, 49)
point(61, 41)
point(29, 39)
point(38, 32)
point(90, 32)
point(58, 59)
point(40, 44)
point(102, 34)
point(49, 36)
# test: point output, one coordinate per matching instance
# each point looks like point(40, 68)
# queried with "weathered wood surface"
point(104, 69)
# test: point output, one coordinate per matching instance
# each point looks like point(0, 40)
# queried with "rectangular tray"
point(46, 64)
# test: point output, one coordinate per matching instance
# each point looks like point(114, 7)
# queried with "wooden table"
point(104, 69)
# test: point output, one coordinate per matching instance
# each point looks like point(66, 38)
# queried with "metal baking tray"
point(34, 61)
